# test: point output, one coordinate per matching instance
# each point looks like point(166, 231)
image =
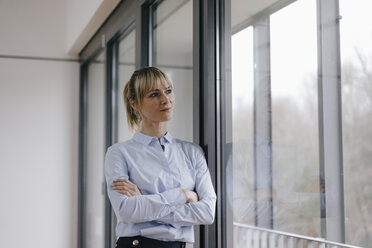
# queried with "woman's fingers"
point(120, 183)
point(191, 196)
point(124, 182)
point(122, 187)
point(125, 187)
point(125, 192)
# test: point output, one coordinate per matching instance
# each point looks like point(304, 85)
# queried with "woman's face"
point(157, 105)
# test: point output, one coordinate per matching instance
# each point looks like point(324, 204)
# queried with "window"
point(296, 155)
point(242, 164)
point(126, 47)
point(103, 119)
point(294, 119)
point(95, 151)
point(356, 88)
point(172, 52)
point(286, 162)
point(126, 67)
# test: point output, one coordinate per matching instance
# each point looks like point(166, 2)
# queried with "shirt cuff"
point(174, 196)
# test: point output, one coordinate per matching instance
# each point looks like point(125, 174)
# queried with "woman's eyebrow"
point(169, 87)
point(154, 90)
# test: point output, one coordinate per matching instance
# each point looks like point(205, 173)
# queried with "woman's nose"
point(165, 99)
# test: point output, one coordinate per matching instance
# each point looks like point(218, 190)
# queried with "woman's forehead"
point(160, 84)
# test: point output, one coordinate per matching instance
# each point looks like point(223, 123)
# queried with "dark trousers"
point(142, 242)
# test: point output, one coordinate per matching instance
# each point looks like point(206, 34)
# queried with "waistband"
point(143, 242)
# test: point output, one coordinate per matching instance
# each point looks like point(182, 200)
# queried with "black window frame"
point(212, 99)
point(329, 112)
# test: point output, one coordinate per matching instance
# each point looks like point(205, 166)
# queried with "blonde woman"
point(159, 186)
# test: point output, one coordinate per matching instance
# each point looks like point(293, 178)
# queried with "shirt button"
point(135, 242)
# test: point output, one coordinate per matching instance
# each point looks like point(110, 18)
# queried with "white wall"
point(39, 126)
point(38, 155)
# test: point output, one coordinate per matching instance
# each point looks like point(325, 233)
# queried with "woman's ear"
point(133, 104)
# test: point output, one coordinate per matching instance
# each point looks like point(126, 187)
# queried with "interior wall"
point(38, 155)
point(39, 93)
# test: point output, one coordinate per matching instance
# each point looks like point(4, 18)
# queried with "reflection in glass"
point(94, 196)
point(356, 81)
point(126, 68)
point(172, 53)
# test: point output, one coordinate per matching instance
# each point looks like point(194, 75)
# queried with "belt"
point(143, 242)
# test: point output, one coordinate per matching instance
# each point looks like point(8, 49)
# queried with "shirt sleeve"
point(203, 211)
point(142, 208)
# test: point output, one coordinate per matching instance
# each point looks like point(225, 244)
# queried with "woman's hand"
point(126, 187)
point(191, 196)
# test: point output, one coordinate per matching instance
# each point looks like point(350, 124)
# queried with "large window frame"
point(329, 111)
point(212, 120)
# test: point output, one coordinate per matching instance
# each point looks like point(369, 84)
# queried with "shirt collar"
point(147, 140)
point(168, 138)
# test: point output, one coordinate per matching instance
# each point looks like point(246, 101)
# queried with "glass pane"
point(172, 53)
point(242, 113)
point(242, 123)
point(274, 69)
point(94, 196)
point(295, 119)
point(126, 68)
point(356, 83)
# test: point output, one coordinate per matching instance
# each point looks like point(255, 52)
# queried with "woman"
point(159, 186)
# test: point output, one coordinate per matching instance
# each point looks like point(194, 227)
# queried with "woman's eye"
point(154, 94)
point(168, 92)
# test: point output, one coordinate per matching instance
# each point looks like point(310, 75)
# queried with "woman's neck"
point(154, 129)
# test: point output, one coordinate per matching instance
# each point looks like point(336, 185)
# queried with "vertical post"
point(83, 116)
point(196, 89)
point(330, 122)
point(205, 84)
point(111, 77)
point(224, 84)
point(262, 125)
point(146, 34)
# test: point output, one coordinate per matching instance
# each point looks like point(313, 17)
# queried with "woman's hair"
point(141, 82)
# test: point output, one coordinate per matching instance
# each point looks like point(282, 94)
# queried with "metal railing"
point(256, 237)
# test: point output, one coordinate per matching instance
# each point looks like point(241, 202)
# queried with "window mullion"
point(330, 122)
point(262, 125)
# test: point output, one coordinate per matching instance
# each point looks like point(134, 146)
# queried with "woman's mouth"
point(165, 109)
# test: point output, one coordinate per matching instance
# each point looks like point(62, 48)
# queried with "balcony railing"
point(255, 237)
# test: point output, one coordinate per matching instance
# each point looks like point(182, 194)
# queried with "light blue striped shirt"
point(161, 212)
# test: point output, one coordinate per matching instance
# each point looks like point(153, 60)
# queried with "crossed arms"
point(174, 206)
